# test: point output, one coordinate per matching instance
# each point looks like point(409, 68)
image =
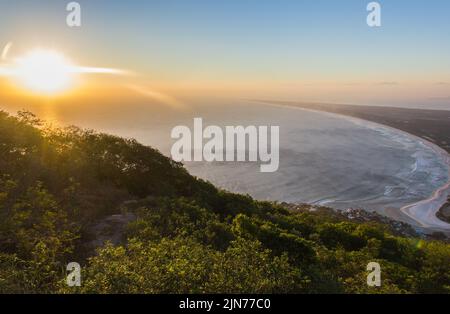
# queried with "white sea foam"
point(325, 159)
point(342, 162)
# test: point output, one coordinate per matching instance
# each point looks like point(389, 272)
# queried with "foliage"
point(186, 236)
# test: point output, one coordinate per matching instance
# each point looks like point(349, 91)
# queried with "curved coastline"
point(423, 212)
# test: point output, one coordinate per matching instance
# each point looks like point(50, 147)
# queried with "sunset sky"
point(311, 50)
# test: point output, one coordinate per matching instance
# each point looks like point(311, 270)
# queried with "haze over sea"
point(336, 162)
point(324, 159)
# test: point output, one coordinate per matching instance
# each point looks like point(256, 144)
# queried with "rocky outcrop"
point(110, 229)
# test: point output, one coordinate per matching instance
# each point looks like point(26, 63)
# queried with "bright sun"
point(47, 72)
point(44, 71)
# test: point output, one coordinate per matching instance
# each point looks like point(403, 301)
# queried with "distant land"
point(431, 125)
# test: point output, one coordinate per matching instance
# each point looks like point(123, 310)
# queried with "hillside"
point(61, 189)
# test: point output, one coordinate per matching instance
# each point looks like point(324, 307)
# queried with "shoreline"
point(423, 212)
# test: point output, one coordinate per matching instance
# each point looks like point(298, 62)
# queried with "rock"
point(110, 229)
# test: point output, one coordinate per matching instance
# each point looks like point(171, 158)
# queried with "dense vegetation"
point(186, 235)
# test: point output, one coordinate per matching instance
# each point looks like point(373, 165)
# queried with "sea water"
point(324, 159)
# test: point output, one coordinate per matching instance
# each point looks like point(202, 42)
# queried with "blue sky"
point(247, 41)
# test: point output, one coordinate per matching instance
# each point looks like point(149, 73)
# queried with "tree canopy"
point(187, 236)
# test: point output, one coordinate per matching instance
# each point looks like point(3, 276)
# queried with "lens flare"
point(47, 72)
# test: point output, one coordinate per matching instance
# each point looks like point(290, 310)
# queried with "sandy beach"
point(422, 214)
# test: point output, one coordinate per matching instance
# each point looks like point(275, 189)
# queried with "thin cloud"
point(6, 50)
point(388, 83)
point(439, 98)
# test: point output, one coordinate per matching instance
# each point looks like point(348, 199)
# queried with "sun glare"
point(44, 71)
point(47, 72)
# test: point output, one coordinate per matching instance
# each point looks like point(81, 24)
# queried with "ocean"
point(325, 159)
point(333, 161)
